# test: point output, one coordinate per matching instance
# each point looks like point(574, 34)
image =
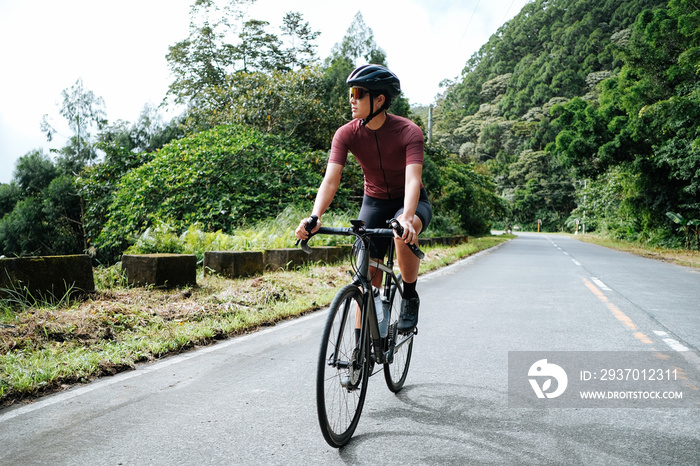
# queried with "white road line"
point(673, 344)
point(600, 284)
point(576, 262)
point(146, 369)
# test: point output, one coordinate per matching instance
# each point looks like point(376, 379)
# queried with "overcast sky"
point(118, 48)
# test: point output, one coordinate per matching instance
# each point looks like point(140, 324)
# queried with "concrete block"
point(338, 253)
point(47, 277)
point(425, 241)
point(232, 264)
point(166, 270)
point(276, 259)
point(327, 254)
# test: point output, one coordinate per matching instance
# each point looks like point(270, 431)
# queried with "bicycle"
point(348, 353)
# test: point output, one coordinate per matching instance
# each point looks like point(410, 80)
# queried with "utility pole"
point(430, 124)
point(585, 185)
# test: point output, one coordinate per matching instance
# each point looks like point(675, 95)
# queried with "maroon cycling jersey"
point(383, 154)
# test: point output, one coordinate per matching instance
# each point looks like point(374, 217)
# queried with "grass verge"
point(48, 347)
point(683, 257)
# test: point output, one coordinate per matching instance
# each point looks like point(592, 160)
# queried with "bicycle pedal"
point(389, 356)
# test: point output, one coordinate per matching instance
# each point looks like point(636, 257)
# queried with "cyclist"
point(389, 149)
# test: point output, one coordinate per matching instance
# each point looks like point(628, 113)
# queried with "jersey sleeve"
point(414, 146)
point(340, 146)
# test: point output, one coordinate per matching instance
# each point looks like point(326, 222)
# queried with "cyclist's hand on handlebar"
point(410, 235)
point(302, 231)
point(399, 232)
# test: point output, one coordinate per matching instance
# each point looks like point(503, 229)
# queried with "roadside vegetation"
point(685, 257)
point(46, 347)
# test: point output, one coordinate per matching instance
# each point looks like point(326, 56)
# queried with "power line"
point(470, 21)
point(505, 15)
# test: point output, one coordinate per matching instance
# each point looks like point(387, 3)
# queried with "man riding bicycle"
point(389, 149)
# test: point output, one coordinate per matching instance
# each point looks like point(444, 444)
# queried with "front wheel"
point(395, 373)
point(343, 370)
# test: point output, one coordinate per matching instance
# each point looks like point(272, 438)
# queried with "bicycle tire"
point(395, 372)
point(341, 387)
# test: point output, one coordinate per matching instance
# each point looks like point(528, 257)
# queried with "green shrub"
point(270, 233)
point(217, 180)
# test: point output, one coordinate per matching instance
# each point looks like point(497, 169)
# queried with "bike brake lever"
point(305, 246)
point(399, 231)
point(310, 225)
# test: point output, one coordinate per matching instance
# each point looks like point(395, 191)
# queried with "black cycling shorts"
point(376, 212)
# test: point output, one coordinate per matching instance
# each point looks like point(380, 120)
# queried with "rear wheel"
point(343, 370)
point(395, 373)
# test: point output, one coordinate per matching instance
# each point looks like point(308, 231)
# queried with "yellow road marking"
point(619, 315)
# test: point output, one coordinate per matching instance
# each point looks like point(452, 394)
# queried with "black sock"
point(409, 290)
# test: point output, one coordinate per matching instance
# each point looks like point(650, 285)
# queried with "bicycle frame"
point(369, 311)
point(363, 279)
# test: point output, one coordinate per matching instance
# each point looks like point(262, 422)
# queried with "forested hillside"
point(588, 111)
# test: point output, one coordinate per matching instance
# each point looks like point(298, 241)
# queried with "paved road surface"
point(251, 400)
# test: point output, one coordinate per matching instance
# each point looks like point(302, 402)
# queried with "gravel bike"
point(359, 333)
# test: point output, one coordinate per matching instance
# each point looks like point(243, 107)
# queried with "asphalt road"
point(251, 400)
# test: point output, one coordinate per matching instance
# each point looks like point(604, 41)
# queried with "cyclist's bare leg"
point(408, 262)
point(376, 275)
point(376, 282)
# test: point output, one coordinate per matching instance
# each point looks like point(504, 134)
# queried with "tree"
point(10, 194)
point(46, 217)
point(358, 45)
point(33, 172)
point(84, 113)
point(466, 197)
point(149, 133)
point(126, 147)
point(23, 231)
point(223, 41)
point(45, 224)
point(336, 89)
point(63, 216)
point(540, 188)
point(302, 50)
point(201, 62)
point(582, 85)
point(258, 50)
point(223, 49)
point(290, 103)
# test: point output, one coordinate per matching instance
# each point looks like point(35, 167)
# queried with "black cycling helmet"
point(377, 80)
